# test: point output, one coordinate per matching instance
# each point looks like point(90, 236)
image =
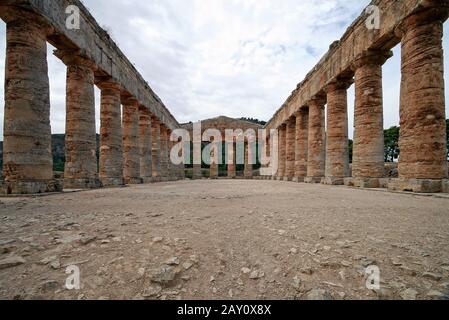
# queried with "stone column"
point(423, 162)
point(163, 153)
point(290, 149)
point(302, 141)
point(156, 147)
point(316, 144)
point(80, 137)
point(249, 159)
point(111, 141)
point(231, 159)
point(368, 154)
point(170, 167)
point(131, 151)
point(197, 144)
point(27, 157)
point(145, 145)
point(337, 149)
point(282, 152)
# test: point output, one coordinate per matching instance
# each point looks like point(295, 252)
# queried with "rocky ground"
point(225, 239)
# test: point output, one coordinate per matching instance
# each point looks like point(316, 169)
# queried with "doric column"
point(111, 142)
point(368, 154)
point(80, 137)
point(337, 149)
point(145, 145)
point(423, 159)
point(156, 148)
point(164, 153)
point(27, 158)
point(302, 141)
point(131, 151)
point(231, 158)
point(249, 158)
point(290, 149)
point(282, 152)
point(197, 145)
point(316, 145)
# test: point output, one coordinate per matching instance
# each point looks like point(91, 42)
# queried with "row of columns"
point(307, 152)
point(133, 144)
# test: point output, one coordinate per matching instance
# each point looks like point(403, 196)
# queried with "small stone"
point(256, 275)
point(246, 270)
point(10, 262)
point(49, 285)
point(47, 260)
point(432, 276)
point(212, 279)
point(297, 282)
point(319, 294)
point(152, 291)
point(307, 271)
point(157, 239)
point(173, 261)
point(87, 240)
point(434, 294)
point(55, 264)
point(187, 265)
point(141, 271)
point(409, 294)
point(231, 293)
point(293, 251)
point(346, 264)
point(165, 275)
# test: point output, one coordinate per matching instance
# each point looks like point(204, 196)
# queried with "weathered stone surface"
point(290, 137)
point(80, 138)
point(145, 144)
point(131, 152)
point(337, 150)
point(282, 152)
point(302, 141)
point(164, 153)
point(415, 185)
point(10, 262)
point(111, 141)
point(423, 119)
point(368, 152)
point(156, 147)
point(317, 136)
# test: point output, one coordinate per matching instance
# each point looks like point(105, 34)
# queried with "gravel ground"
point(225, 239)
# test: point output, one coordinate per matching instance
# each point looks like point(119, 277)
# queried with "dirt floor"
point(225, 239)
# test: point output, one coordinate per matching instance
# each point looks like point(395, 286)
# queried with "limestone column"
point(316, 143)
point(27, 158)
point(231, 159)
point(156, 147)
point(170, 166)
point(337, 149)
point(249, 159)
point(163, 153)
point(197, 144)
point(368, 154)
point(422, 110)
point(145, 145)
point(80, 137)
point(302, 140)
point(131, 151)
point(290, 149)
point(111, 141)
point(282, 152)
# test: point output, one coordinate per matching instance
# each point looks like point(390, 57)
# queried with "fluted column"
point(423, 159)
point(197, 144)
point(231, 159)
point(249, 158)
point(316, 144)
point(368, 154)
point(27, 158)
point(170, 166)
point(164, 153)
point(301, 147)
point(290, 149)
point(80, 138)
point(131, 152)
point(156, 148)
point(145, 145)
point(111, 141)
point(282, 152)
point(337, 149)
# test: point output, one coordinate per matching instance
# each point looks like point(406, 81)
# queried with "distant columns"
point(27, 158)
point(81, 138)
point(156, 148)
point(145, 145)
point(290, 147)
point(111, 143)
point(337, 149)
point(423, 117)
point(282, 152)
point(368, 153)
point(301, 147)
point(131, 151)
point(316, 142)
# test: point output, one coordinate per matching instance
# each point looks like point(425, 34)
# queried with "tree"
point(391, 144)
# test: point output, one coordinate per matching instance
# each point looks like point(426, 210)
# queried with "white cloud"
point(223, 57)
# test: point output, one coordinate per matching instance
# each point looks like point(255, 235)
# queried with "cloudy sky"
point(237, 58)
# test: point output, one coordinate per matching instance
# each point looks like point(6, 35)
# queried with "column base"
point(365, 183)
point(298, 179)
point(313, 179)
point(30, 187)
point(445, 186)
point(82, 184)
point(147, 180)
point(133, 180)
point(112, 182)
point(249, 177)
point(333, 181)
point(163, 179)
point(288, 179)
point(417, 185)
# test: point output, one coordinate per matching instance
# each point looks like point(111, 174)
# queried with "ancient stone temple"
point(136, 134)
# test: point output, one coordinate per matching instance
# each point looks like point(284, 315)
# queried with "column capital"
point(339, 84)
point(75, 58)
point(130, 101)
point(107, 83)
point(317, 101)
point(371, 57)
point(431, 11)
